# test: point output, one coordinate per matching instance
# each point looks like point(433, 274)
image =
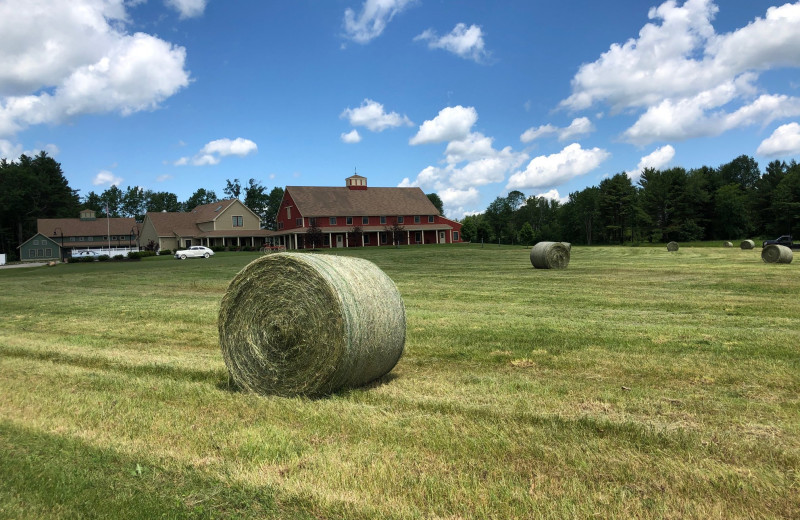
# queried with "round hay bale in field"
point(777, 254)
point(568, 246)
point(550, 255)
point(672, 246)
point(305, 324)
point(727, 244)
point(747, 244)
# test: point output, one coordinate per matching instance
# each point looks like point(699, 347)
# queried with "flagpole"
point(108, 223)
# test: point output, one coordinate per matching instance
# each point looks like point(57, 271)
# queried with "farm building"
point(356, 215)
point(224, 223)
point(57, 238)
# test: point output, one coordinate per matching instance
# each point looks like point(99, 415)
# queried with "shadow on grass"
point(229, 385)
point(176, 373)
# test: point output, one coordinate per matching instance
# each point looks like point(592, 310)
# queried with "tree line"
point(732, 201)
point(35, 187)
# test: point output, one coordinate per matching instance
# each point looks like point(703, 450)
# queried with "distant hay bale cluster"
point(672, 246)
point(551, 255)
point(777, 254)
point(747, 244)
point(304, 324)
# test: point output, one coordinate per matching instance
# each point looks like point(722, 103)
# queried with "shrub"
point(166, 252)
point(135, 255)
point(85, 259)
point(217, 249)
point(73, 260)
point(103, 258)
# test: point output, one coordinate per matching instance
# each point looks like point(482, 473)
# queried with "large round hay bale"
point(550, 255)
point(727, 244)
point(568, 245)
point(777, 254)
point(747, 244)
point(305, 324)
point(672, 246)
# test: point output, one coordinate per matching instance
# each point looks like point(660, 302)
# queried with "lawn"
point(636, 383)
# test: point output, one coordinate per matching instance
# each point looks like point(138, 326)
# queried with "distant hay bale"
point(728, 244)
point(777, 254)
point(747, 244)
point(305, 324)
point(672, 246)
point(550, 255)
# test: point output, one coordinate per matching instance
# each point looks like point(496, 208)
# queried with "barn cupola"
point(87, 214)
point(356, 182)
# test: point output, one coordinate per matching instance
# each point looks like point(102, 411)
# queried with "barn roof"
point(74, 227)
point(316, 201)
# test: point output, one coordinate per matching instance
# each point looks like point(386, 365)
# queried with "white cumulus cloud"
point(553, 195)
point(65, 58)
point(784, 141)
point(452, 124)
point(556, 169)
point(106, 178)
point(351, 137)
point(650, 72)
point(578, 127)
point(213, 151)
point(659, 158)
point(188, 8)
point(371, 21)
point(373, 116)
point(463, 41)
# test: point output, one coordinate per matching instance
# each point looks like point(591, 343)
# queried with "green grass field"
point(637, 383)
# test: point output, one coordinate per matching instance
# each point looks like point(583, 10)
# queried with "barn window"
point(298, 222)
point(349, 221)
point(365, 220)
point(400, 220)
point(332, 221)
point(417, 220)
point(430, 219)
point(455, 236)
point(383, 220)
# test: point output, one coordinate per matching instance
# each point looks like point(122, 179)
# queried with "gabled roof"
point(185, 223)
point(75, 227)
point(210, 212)
point(37, 235)
point(315, 201)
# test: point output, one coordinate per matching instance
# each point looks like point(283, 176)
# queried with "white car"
point(194, 252)
point(84, 253)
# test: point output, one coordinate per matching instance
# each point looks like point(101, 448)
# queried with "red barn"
point(355, 215)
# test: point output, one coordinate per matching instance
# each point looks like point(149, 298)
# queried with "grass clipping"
point(747, 244)
point(550, 255)
point(672, 246)
point(777, 254)
point(305, 324)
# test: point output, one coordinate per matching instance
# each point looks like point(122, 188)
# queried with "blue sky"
point(466, 99)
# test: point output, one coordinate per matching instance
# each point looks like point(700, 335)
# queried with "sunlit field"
point(636, 383)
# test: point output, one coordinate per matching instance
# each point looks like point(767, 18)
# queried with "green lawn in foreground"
point(635, 383)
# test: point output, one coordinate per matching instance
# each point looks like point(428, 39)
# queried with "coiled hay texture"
point(568, 245)
point(747, 244)
point(672, 246)
point(777, 254)
point(550, 255)
point(304, 324)
point(727, 244)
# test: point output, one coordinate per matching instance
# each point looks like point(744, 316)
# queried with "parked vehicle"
point(783, 240)
point(83, 253)
point(194, 252)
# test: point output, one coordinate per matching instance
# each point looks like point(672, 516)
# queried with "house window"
point(417, 220)
point(36, 242)
point(41, 252)
point(400, 220)
point(349, 221)
point(81, 238)
point(430, 219)
point(238, 221)
point(455, 236)
point(289, 212)
point(383, 238)
point(72, 239)
point(48, 252)
point(383, 220)
point(364, 220)
point(417, 237)
point(332, 221)
point(298, 222)
point(31, 253)
point(312, 222)
point(280, 225)
point(113, 237)
point(366, 239)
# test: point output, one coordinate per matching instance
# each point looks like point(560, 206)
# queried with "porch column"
point(408, 238)
point(423, 237)
point(330, 240)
